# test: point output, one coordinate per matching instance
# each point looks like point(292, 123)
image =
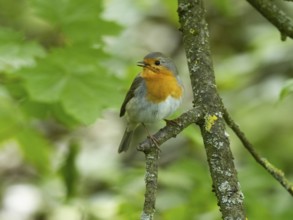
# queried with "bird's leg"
point(151, 137)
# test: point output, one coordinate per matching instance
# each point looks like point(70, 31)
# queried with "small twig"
point(275, 172)
point(152, 157)
point(274, 15)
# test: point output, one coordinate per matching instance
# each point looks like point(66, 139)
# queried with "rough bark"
point(196, 43)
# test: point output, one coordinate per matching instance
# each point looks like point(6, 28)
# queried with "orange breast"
point(161, 85)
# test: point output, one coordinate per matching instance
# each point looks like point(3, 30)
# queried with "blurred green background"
point(65, 67)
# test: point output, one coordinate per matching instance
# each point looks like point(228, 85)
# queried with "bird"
point(155, 93)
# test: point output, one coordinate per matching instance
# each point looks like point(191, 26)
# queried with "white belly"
point(142, 111)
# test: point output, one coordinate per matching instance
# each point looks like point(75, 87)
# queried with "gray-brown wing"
point(136, 82)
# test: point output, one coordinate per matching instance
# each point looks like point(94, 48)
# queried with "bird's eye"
point(157, 62)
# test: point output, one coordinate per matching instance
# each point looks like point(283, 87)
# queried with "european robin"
point(154, 94)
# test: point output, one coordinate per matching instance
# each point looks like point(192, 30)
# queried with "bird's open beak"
point(141, 63)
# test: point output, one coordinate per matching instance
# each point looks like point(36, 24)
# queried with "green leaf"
point(86, 96)
point(14, 125)
point(10, 118)
point(287, 89)
point(79, 20)
point(15, 53)
point(35, 149)
point(75, 78)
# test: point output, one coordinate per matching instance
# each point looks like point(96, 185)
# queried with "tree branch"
point(275, 172)
point(173, 129)
point(152, 157)
point(210, 114)
point(274, 15)
point(151, 180)
point(220, 159)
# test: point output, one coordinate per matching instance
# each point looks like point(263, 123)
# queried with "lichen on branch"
point(196, 43)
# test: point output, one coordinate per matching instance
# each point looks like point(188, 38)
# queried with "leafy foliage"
point(73, 76)
point(69, 84)
point(75, 79)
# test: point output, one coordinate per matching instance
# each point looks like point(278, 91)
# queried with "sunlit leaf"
point(75, 78)
point(15, 53)
point(79, 20)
